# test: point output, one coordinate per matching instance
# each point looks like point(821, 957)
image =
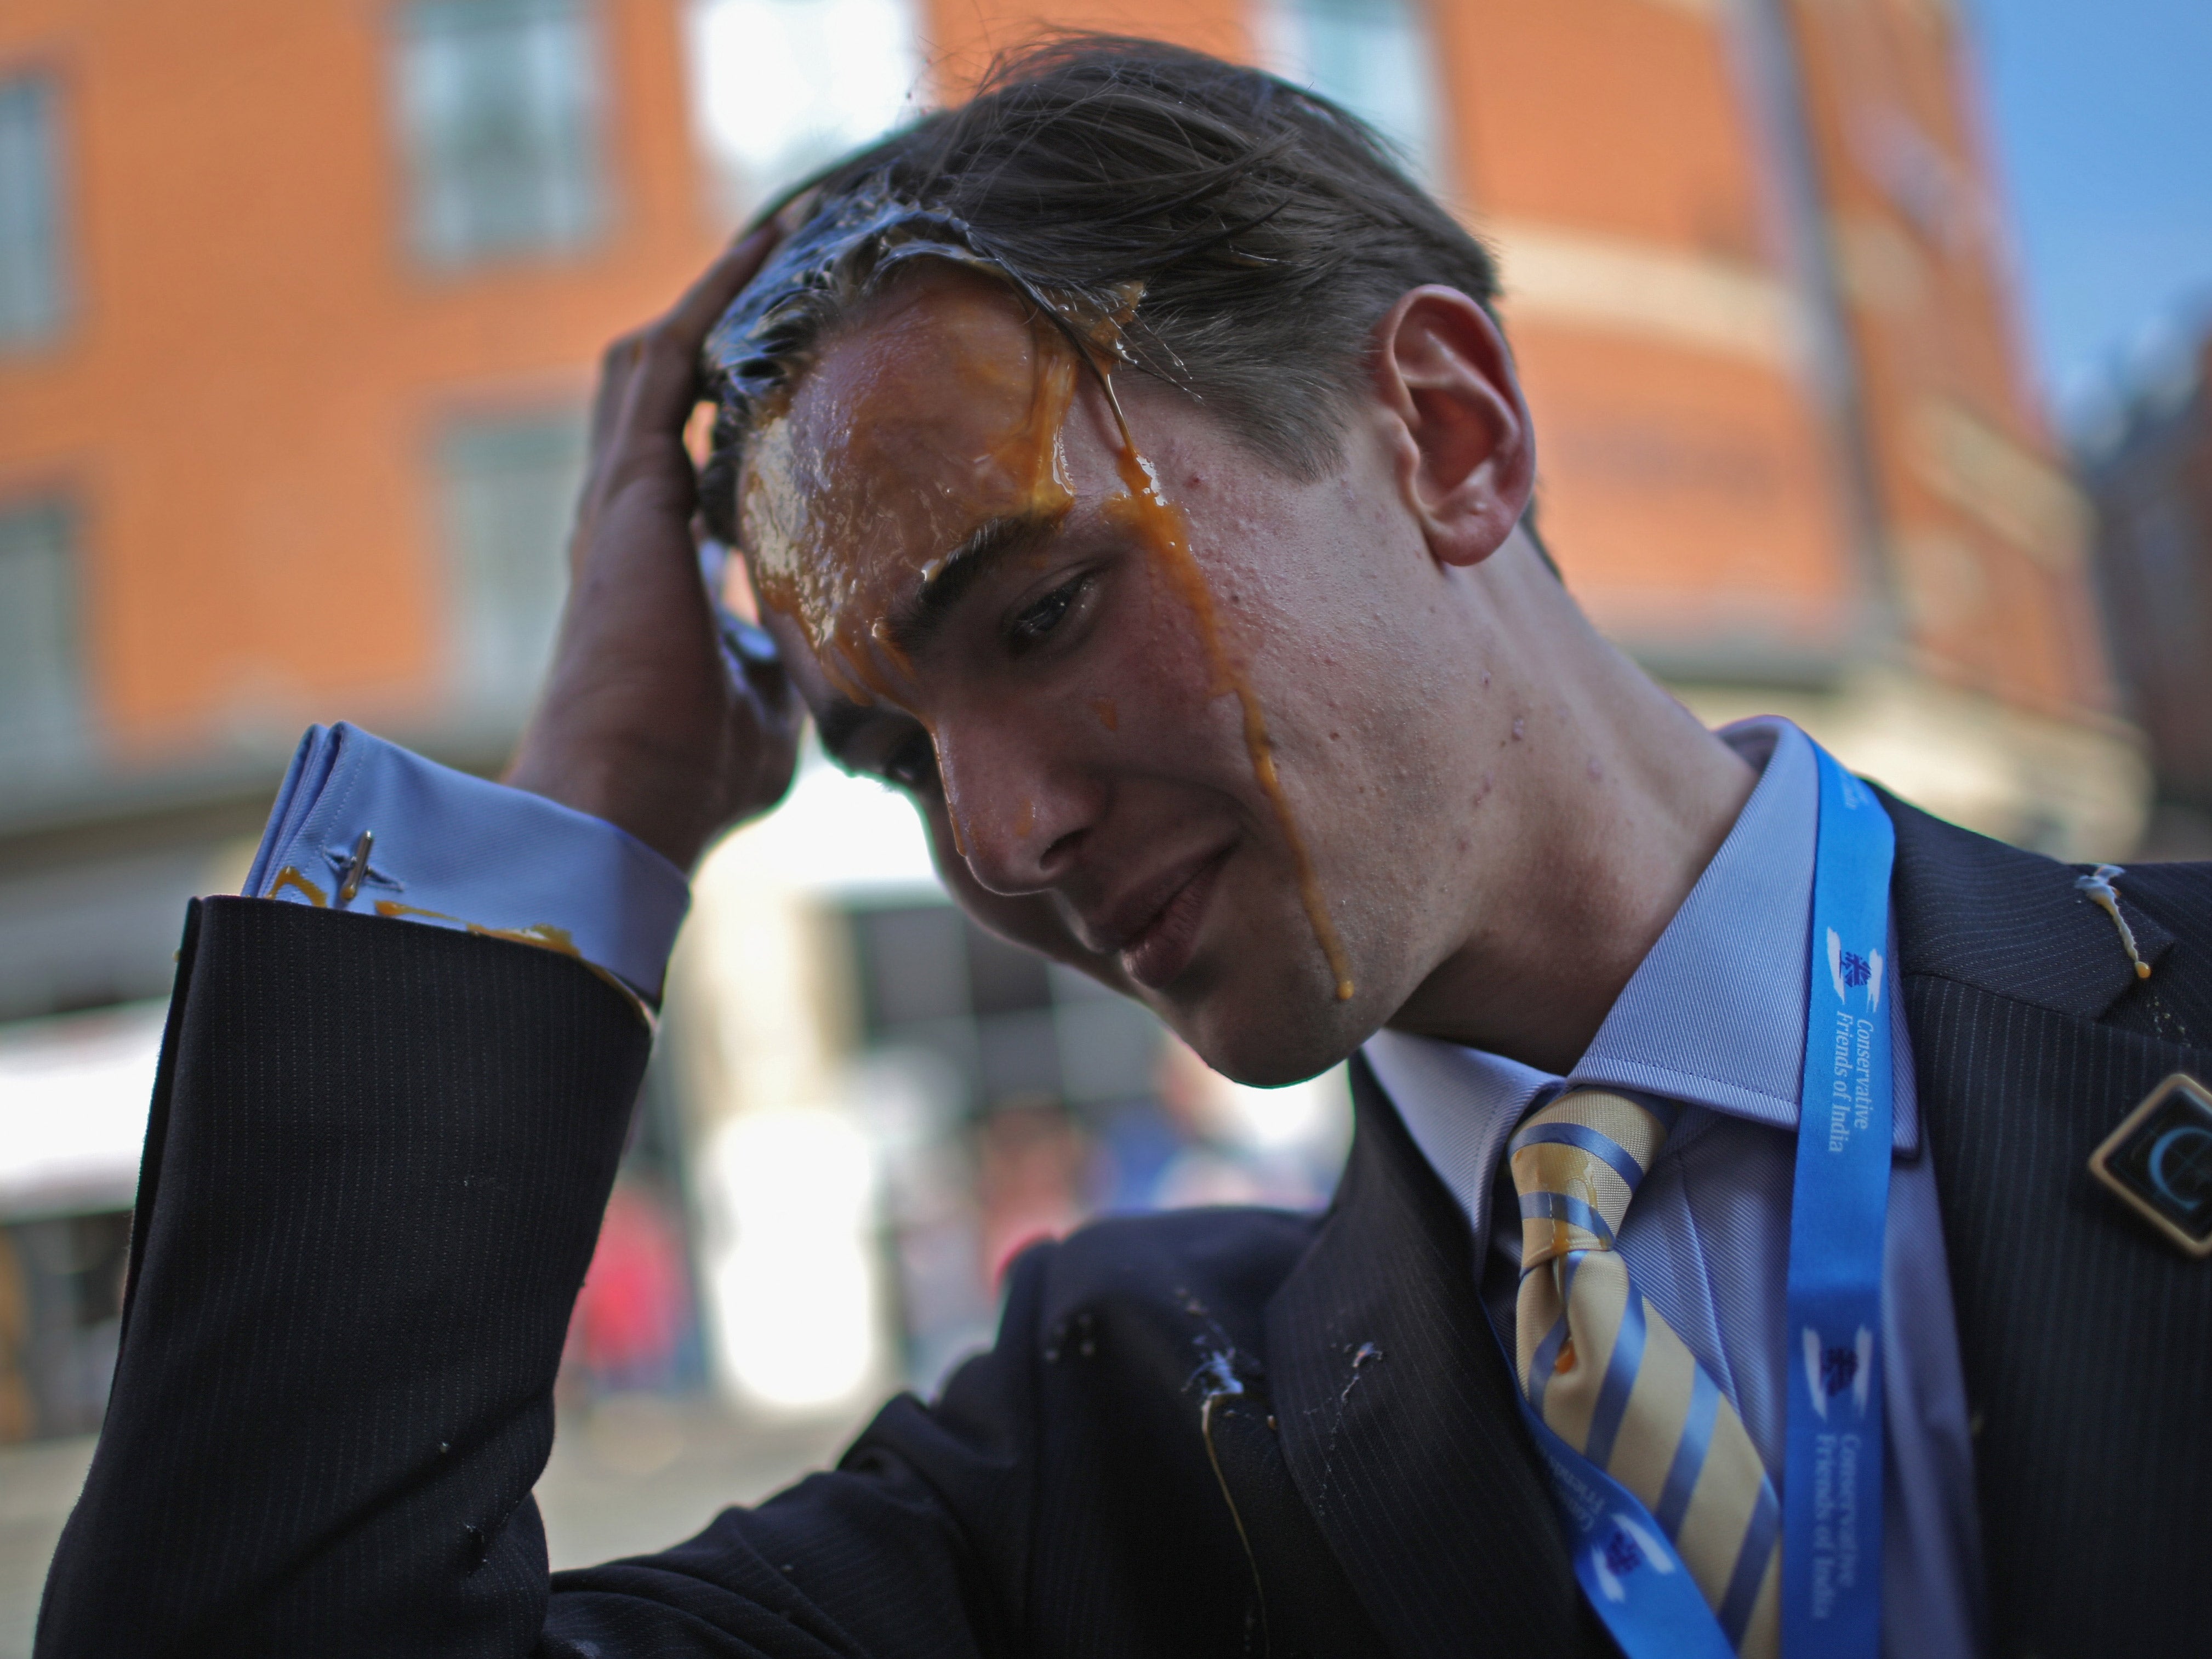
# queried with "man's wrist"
point(646, 800)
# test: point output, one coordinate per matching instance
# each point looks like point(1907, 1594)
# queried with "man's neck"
point(1624, 808)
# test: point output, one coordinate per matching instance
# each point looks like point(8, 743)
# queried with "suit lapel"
point(2083, 1338)
point(1398, 1422)
point(1992, 917)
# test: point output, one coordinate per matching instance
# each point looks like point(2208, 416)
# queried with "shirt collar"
point(1714, 1015)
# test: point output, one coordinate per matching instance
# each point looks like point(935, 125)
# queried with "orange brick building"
point(298, 304)
point(1755, 276)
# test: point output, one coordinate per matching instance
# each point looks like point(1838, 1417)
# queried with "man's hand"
point(642, 722)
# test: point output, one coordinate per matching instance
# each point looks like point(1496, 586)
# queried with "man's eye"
point(1039, 619)
point(912, 764)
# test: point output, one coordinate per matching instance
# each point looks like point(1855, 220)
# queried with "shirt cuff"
point(449, 850)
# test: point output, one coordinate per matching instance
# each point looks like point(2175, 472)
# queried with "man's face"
point(983, 602)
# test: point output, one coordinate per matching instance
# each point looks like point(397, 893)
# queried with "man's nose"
point(1019, 810)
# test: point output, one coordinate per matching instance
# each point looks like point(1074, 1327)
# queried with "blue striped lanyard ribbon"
point(1831, 1479)
point(1831, 1485)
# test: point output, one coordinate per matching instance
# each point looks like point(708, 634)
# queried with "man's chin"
point(1266, 1042)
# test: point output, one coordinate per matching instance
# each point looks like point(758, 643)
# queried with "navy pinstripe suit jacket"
point(376, 1168)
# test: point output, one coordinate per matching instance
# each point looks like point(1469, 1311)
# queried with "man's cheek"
point(1031, 920)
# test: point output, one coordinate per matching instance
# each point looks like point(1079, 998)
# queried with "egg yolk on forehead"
point(945, 411)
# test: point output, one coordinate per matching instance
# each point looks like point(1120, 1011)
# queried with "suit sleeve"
point(374, 1174)
point(917, 1545)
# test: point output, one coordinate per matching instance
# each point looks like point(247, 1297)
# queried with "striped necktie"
point(1608, 1376)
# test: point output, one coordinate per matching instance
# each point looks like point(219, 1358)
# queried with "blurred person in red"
point(1032, 1159)
point(630, 1313)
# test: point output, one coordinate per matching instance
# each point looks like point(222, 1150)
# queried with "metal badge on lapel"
point(2159, 1161)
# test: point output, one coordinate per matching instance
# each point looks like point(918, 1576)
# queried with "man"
point(1132, 470)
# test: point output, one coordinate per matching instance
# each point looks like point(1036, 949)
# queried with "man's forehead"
point(934, 417)
point(938, 344)
point(931, 419)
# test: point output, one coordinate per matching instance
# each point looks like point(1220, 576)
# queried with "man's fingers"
point(707, 299)
point(650, 372)
point(667, 379)
point(618, 365)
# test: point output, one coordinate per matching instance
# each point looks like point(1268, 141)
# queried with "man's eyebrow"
point(991, 544)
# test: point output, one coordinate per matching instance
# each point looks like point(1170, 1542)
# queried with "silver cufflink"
point(356, 868)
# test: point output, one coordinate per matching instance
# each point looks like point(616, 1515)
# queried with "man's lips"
point(1155, 929)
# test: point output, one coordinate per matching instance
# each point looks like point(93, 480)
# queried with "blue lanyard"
point(1640, 1588)
point(1831, 1479)
point(1832, 1484)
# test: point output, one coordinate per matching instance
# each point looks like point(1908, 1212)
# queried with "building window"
point(61, 1308)
point(781, 87)
point(499, 111)
point(1002, 1023)
point(1371, 56)
point(1015, 1097)
point(42, 714)
point(509, 493)
point(30, 211)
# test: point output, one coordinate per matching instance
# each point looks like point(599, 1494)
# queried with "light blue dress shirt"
point(1715, 1018)
point(455, 851)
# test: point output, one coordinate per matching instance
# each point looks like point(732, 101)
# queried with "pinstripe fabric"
point(1399, 1420)
point(2087, 1342)
point(2086, 1339)
point(377, 1162)
point(278, 1216)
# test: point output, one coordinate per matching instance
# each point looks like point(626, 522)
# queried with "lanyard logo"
point(1848, 968)
point(1831, 1490)
point(1625, 1548)
point(1831, 1369)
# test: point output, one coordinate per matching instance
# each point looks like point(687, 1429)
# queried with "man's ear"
point(1466, 459)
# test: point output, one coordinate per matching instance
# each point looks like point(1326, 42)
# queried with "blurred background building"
point(2147, 463)
point(299, 305)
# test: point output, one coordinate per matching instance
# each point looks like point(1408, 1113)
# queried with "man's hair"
point(1269, 230)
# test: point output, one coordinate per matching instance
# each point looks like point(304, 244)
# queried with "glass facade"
point(508, 489)
point(31, 288)
point(780, 88)
point(1372, 56)
point(499, 113)
point(42, 696)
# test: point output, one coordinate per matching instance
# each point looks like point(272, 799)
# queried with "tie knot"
point(1577, 1164)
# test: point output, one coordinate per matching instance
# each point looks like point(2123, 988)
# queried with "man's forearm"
point(373, 1180)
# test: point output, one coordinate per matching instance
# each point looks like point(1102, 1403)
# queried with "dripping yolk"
point(947, 383)
point(941, 410)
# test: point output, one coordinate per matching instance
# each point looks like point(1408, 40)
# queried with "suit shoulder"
point(2175, 1003)
point(1195, 1272)
point(2023, 926)
point(2179, 894)
point(1245, 1248)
